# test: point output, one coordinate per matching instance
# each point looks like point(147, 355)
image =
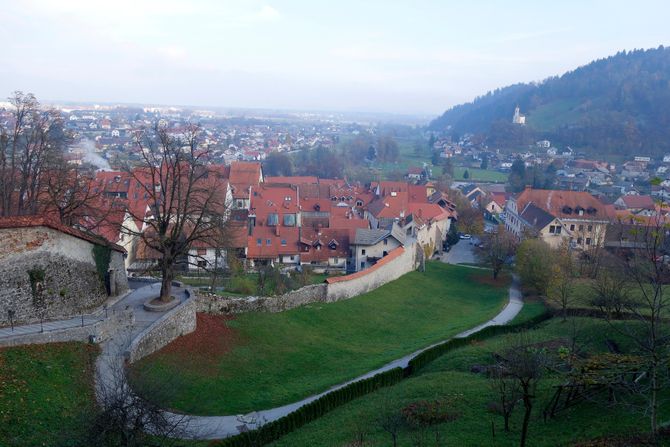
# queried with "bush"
point(242, 284)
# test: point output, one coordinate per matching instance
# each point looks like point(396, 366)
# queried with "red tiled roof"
point(564, 204)
point(41, 221)
point(293, 180)
point(638, 202)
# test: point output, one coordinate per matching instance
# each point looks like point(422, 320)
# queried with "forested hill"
point(614, 105)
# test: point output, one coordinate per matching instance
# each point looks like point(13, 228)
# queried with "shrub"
point(428, 412)
point(243, 285)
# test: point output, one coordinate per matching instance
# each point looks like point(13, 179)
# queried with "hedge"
point(274, 430)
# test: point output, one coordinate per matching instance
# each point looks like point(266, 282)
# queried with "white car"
point(465, 236)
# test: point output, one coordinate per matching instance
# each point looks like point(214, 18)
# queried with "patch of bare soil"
point(201, 349)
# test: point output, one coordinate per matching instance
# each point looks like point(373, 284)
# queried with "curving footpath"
point(218, 427)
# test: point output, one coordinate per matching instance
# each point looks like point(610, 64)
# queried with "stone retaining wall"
point(400, 261)
point(218, 304)
point(102, 330)
point(175, 323)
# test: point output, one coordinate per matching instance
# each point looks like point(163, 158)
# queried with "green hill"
point(611, 106)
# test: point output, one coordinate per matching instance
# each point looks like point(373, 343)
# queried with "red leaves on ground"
point(200, 350)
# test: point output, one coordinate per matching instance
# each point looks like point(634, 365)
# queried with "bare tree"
point(127, 419)
point(187, 197)
point(26, 145)
point(390, 420)
point(611, 292)
point(507, 391)
point(500, 245)
point(643, 261)
point(525, 364)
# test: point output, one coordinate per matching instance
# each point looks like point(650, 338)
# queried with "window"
point(283, 242)
point(273, 219)
point(268, 241)
point(287, 198)
point(289, 220)
point(588, 241)
point(292, 258)
point(202, 264)
point(385, 253)
point(590, 227)
point(259, 242)
point(359, 203)
point(336, 261)
point(386, 241)
point(362, 265)
point(579, 240)
point(552, 229)
point(581, 228)
point(363, 252)
point(572, 227)
point(239, 204)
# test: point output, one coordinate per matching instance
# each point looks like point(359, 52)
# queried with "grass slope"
point(280, 358)
point(45, 393)
point(482, 175)
point(450, 377)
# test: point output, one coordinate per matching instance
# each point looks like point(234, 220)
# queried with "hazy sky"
point(407, 56)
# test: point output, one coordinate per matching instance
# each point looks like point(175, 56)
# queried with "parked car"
point(465, 236)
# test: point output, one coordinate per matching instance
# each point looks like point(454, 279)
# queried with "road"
point(461, 253)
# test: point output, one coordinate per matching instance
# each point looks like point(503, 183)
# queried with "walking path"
point(112, 360)
point(217, 427)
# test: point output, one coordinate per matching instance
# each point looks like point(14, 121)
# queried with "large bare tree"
point(643, 261)
point(27, 143)
point(186, 197)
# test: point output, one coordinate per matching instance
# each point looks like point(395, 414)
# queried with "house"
point(371, 245)
point(414, 173)
point(555, 215)
point(242, 177)
point(49, 270)
point(495, 204)
point(636, 204)
point(324, 248)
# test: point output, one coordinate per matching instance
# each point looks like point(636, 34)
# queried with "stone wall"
point(393, 266)
point(398, 262)
point(175, 323)
point(102, 330)
point(217, 304)
point(71, 284)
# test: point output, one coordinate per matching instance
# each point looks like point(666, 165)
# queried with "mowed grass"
point(46, 391)
point(280, 358)
point(476, 174)
point(450, 377)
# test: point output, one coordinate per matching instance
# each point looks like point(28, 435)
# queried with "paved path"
point(112, 360)
point(217, 427)
point(461, 253)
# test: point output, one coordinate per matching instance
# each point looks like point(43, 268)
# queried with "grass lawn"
point(262, 360)
point(469, 394)
point(45, 393)
point(482, 175)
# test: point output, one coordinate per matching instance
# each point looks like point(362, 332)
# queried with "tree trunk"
point(166, 282)
point(653, 404)
point(528, 405)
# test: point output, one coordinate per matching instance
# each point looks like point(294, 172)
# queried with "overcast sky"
point(391, 56)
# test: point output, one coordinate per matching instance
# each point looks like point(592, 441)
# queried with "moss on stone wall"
point(102, 256)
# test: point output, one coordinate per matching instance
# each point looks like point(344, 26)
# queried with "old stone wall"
point(64, 282)
point(400, 261)
point(175, 323)
point(102, 330)
point(217, 304)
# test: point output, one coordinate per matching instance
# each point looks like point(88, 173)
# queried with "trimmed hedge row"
point(433, 353)
point(317, 408)
point(313, 410)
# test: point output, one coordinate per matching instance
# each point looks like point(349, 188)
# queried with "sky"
point(403, 57)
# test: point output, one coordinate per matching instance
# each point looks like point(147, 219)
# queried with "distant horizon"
point(376, 57)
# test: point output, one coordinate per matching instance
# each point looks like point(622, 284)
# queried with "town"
point(286, 224)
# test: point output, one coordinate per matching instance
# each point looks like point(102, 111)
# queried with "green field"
point(267, 360)
point(46, 392)
point(481, 175)
point(469, 395)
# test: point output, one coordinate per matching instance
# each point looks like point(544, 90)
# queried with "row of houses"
point(328, 224)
